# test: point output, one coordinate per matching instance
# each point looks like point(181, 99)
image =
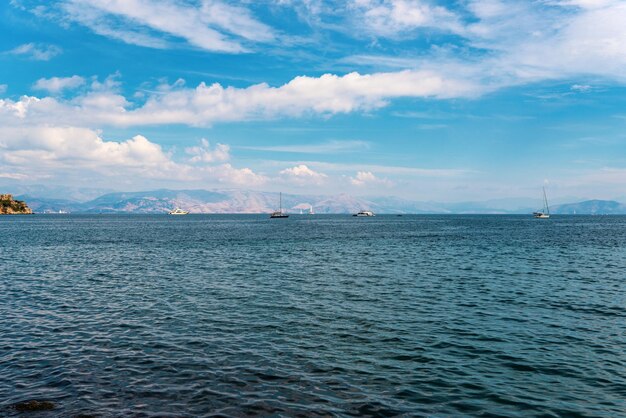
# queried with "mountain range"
point(245, 201)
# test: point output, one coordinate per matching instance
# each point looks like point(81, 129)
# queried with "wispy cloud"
point(37, 52)
point(392, 18)
point(14, 176)
point(581, 88)
point(57, 84)
point(383, 61)
point(507, 41)
point(209, 25)
point(323, 148)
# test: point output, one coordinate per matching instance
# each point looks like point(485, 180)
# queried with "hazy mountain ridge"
point(246, 201)
point(591, 207)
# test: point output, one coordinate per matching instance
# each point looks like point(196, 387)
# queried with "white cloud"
point(226, 173)
point(302, 174)
point(393, 17)
point(44, 151)
point(206, 104)
point(497, 43)
point(327, 94)
point(367, 178)
point(210, 25)
point(531, 41)
point(59, 146)
point(504, 43)
point(204, 153)
point(57, 84)
point(37, 52)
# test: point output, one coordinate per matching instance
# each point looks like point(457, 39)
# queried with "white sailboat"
point(544, 213)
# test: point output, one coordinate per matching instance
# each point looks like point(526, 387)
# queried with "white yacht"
point(544, 213)
point(364, 213)
point(178, 211)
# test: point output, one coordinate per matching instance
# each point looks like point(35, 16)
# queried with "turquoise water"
point(314, 315)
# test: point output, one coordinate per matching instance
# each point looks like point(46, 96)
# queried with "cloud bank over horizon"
point(341, 65)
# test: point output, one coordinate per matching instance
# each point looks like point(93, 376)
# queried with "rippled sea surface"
point(442, 316)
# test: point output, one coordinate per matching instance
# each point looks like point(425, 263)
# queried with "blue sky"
point(429, 100)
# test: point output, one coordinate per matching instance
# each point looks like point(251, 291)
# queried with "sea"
point(314, 315)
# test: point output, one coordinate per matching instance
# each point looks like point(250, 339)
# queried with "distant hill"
point(245, 201)
point(591, 207)
point(204, 201)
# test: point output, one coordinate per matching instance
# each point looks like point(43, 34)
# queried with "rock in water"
point(34, 406)
point(8, 206)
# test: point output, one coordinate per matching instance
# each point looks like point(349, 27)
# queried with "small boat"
point(311, 210)
point(178, 211)
point(544, 213)
point(279, 213)
point(364, 213)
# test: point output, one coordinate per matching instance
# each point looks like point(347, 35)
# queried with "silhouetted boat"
point(279, 213)
point(545, 212)
point(364, 213)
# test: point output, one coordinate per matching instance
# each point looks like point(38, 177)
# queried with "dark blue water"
point(314, 315)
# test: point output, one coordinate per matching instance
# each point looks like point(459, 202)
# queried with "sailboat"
point(544, 213)
point(279, 213)
point(311, 210)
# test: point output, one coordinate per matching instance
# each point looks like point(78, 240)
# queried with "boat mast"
point(545, 201)
point(280, 201)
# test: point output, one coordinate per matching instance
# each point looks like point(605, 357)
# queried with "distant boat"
point(364, 213)
point(544, 213)
point(279, 213)
point(178, 211)
point(311, 210)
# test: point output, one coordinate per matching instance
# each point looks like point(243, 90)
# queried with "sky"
point(420, 99)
